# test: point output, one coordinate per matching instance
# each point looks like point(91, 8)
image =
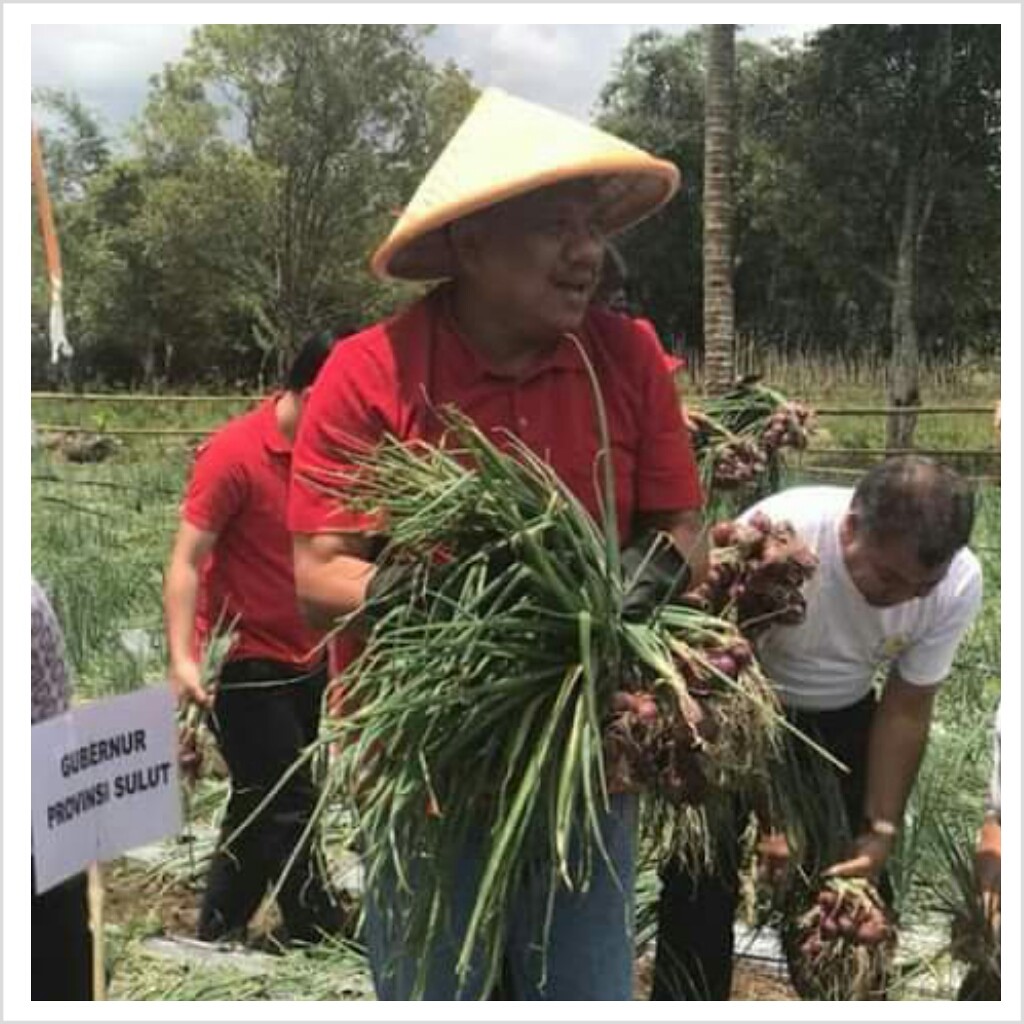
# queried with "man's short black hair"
point(910, 497)
point(312, 355)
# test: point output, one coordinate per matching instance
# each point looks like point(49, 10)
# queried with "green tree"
point(74, 144)
point(75, 151)
point(343, 115)
point(826, 134)
point(241, 212)
point(655, 99)
point(897, 127)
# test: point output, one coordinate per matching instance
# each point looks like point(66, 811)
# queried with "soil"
point(751, 981)
point(130, 893)
point(173, 908)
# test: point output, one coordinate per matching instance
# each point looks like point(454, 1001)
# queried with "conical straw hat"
point(507, 147)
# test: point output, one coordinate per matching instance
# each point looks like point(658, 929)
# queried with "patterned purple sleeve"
point(51, 687)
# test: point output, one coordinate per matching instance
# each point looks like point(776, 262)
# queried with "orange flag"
point(59, 345)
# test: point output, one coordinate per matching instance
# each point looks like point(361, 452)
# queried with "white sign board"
point(104, 779)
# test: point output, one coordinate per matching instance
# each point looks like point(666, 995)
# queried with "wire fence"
point(826, 410)
point(848, 459)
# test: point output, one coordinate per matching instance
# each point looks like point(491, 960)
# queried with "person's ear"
point(848, 528)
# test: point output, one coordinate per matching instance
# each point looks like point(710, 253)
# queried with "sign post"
point(104, 780)
point(99, 969)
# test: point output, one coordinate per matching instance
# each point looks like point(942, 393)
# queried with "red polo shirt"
point(388, 378)
point(239, 490)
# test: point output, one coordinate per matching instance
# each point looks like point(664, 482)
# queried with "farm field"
point(99, 540)
point(808, 217)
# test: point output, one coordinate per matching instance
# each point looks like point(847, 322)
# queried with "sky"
point(562, 66)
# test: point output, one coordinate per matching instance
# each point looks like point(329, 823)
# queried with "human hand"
point(654, 571)
point(868, 857)
point(186, 682)
point(988, 868)
point(389, 586)
point(404, 584)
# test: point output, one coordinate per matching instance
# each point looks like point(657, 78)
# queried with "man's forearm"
point(897, 744)
point(181, 591)
point(330, 580)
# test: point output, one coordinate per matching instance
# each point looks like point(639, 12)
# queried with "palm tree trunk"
point(719, 145)
point(904, 386)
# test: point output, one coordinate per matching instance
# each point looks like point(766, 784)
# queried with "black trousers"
point(61, 941)
point(696, 913)
point(261, 732)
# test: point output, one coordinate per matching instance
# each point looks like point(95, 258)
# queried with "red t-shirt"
point(239, 490)
point(387, 379)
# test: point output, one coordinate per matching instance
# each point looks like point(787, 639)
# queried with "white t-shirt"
point(830, 660)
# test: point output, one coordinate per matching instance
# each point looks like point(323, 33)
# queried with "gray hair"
point(914, 498)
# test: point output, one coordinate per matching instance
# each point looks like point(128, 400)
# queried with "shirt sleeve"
point(927, 661)
point(340, 421)
point(667, 475)
point(217, 488)
point(51, 684)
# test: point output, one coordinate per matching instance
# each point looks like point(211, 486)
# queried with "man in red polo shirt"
point(516, 218)
point(232, 561)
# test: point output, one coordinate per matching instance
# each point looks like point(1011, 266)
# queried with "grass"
point(111, 415)
point(329, 971)
point(101, 534)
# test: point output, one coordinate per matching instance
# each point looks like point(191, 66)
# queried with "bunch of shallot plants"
point(839, 939)
point(738, 436)
point(504, 696)
point(758, 569)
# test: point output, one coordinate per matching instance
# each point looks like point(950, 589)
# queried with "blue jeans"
point(590, 941)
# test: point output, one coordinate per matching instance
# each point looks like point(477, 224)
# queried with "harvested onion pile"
point(789, 426)
point(738, 462)
point(702, 731)
point(842, 947)
point(758, 570)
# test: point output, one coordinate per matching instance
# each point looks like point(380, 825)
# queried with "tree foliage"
point(237, 213)
point(264, 167)
point(827, 135)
